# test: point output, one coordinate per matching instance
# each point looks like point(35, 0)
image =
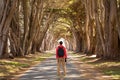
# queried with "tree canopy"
point(88, 26)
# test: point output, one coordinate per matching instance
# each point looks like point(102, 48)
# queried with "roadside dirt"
point(88, 71)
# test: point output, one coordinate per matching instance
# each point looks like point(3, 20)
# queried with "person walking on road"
point(61, 56)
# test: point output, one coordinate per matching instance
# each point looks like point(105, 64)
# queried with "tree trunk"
point(26, 24)
point(8, 12)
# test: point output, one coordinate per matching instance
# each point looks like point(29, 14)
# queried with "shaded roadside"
point(89, 72)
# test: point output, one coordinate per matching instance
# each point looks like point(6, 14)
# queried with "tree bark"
point(5, 21)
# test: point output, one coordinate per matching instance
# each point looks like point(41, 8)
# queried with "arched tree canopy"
point(88, 26)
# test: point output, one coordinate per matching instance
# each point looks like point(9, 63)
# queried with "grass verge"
point(9, 68)
point(107, 67)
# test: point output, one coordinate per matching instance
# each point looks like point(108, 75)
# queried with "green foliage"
point(45, 56)
point(113, 71)
point(110, 68)
point(71, 1)
point(10, 67)
point(107, 67)
point(68, 16)
point(61, 28)
point(40, 59)
point(13, 63)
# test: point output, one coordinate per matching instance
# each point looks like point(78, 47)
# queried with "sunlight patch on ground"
point(11, 67)
point(73, 75)
point(93, 56)
point(1, 74)
point(105, 76)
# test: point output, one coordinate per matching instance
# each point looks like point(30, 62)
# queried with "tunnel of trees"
point(88, 26)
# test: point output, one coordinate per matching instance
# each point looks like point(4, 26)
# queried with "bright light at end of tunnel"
point(63, 40)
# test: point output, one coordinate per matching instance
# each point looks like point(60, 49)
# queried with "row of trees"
point(89, 26)
point(95, 25)
point(23, 25)
point(102, 18)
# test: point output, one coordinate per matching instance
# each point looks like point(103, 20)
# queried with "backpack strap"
point(60, 47)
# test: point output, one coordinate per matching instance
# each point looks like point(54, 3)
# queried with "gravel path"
point(47, 70)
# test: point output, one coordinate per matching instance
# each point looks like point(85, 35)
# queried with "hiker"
point(61, 57)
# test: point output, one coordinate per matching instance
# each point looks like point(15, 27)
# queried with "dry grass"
point(107, 67)
point(9, 68)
